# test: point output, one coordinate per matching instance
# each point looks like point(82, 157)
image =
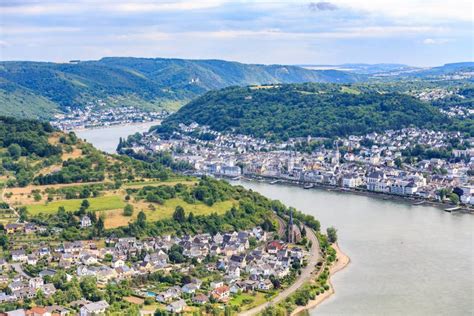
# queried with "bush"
point(128, 210)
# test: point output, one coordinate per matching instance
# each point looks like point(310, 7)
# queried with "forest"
point(280, 112)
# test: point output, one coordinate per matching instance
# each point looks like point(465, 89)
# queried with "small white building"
point(86, 221)
point(95, 308)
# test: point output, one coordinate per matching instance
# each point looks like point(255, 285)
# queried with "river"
point(107, 138)
point(405, 259)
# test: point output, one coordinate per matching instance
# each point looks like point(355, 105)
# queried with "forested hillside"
point(53, 178)
point(144, 82)
point(299, 110)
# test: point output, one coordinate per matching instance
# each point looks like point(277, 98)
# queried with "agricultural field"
point(101, 203)
point(115, 218)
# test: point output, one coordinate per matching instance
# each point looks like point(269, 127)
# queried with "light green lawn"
point(101, 203)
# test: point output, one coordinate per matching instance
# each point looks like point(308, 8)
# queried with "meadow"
point(102, 203)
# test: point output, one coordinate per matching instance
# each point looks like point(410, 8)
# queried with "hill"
point(298, 110)
point(149, 83)
point(46, 175)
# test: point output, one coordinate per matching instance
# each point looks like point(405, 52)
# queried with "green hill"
point(299, 110)
point(149, 83)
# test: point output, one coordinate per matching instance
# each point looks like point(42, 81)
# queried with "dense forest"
point(40, 89)
point(299, 110)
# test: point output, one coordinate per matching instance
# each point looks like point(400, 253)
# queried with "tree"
point(176, 254)
point(128, 210)
point(191, 217)
point(454, 198)
point(85, 204)
point(15, 151)
point(23, 214)
point(141, 219)
point(179, 215)
point(3, 241)
point(332, 234)
point(100, 226)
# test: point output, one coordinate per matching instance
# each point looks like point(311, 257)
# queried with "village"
point(229, 264)
point(395, 162)
point(96, 114)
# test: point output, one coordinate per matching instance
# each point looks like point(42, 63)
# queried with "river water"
point(107, 138)
point(405, 259)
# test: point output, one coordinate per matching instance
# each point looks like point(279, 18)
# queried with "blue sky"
point(415, 32)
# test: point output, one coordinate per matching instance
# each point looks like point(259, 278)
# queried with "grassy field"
point(115, 218)
point(101, 203)
point(349, 90)
point(256, 299)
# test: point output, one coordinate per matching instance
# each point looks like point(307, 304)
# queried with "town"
point(216, 269)
point(95, 115)
point(411, 162)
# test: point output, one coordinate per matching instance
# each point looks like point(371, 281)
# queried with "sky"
point(414, 32)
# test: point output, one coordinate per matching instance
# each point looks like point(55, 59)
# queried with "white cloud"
point(435, 41)
point(460, 10)
point(81, 6)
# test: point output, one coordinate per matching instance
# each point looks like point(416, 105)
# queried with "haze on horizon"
point(414, 32)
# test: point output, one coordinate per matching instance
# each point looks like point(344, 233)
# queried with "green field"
point(101, 203)
point(256, 299)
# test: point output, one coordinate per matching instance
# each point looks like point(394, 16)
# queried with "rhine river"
point(107, 138)
point(405, 259)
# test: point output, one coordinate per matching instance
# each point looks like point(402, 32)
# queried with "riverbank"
point(137, 124)
point(378, 195)
point(342, 261)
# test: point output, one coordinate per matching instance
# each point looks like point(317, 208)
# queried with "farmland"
point(101, 203)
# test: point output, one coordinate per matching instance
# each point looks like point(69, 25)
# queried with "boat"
point(452, 209)
point(419, 203)
point(274, 181)
point(308, 186)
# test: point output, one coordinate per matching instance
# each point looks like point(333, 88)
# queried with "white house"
point(95, 308)
point(86, 221)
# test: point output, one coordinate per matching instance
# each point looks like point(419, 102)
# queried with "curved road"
point(302, 278)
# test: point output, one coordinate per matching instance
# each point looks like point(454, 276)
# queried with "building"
point(86, 221)
point(95, 308)
point(176, 307)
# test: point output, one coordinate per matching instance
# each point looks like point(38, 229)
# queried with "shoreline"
point(341, 263)
point(378, 195)
point(83, 129)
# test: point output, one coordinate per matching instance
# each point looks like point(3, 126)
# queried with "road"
point(17, 267)
point(306, 274)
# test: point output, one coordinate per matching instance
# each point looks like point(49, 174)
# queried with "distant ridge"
point(149, 83)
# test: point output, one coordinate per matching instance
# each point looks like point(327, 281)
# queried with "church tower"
point(290, 233)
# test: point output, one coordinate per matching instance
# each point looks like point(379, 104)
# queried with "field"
point(101, 203)
point(255, 299)
point(115, 218)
